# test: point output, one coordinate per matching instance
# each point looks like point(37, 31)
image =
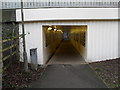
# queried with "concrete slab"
point(68, 76)
point(66, 54)
point(66, 70)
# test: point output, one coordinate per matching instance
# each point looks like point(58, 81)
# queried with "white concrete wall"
point(33, 39)
point(67, 14)
point(55, 39)
point(102, 39)
point(119, 39)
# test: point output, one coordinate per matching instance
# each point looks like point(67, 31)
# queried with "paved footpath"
point(68, 76)
point(66, 54)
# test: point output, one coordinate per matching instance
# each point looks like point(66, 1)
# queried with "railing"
point(14, 4)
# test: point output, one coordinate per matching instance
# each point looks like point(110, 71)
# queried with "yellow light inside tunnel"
point(60, 31)
point(55, 29)
point(49, 28)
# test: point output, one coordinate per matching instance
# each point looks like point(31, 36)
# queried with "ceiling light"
point(55, 29)
point(49, 28)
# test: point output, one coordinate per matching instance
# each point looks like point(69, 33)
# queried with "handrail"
point(61, 4)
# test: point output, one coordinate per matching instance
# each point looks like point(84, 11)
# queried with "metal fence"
point(9, 4)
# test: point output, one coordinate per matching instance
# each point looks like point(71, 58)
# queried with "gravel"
point(108, 71)
point(15, 77)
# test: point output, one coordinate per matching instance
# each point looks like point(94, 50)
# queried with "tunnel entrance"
point(64, 44)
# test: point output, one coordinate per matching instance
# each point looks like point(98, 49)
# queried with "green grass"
point(98, 69)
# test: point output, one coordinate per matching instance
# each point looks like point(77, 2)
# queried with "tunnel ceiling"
point(64, 28)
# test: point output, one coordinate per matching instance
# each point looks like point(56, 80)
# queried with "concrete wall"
point(54, 39)
point(77, 38)
point(102, 29)
point(102, 39)
point(34, 39)
point(119, 38)
point(68, 14)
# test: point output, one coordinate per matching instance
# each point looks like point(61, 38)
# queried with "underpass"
point(66, 54)
point(64, 44)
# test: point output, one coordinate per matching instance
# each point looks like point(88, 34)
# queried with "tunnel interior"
point(64, 44)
